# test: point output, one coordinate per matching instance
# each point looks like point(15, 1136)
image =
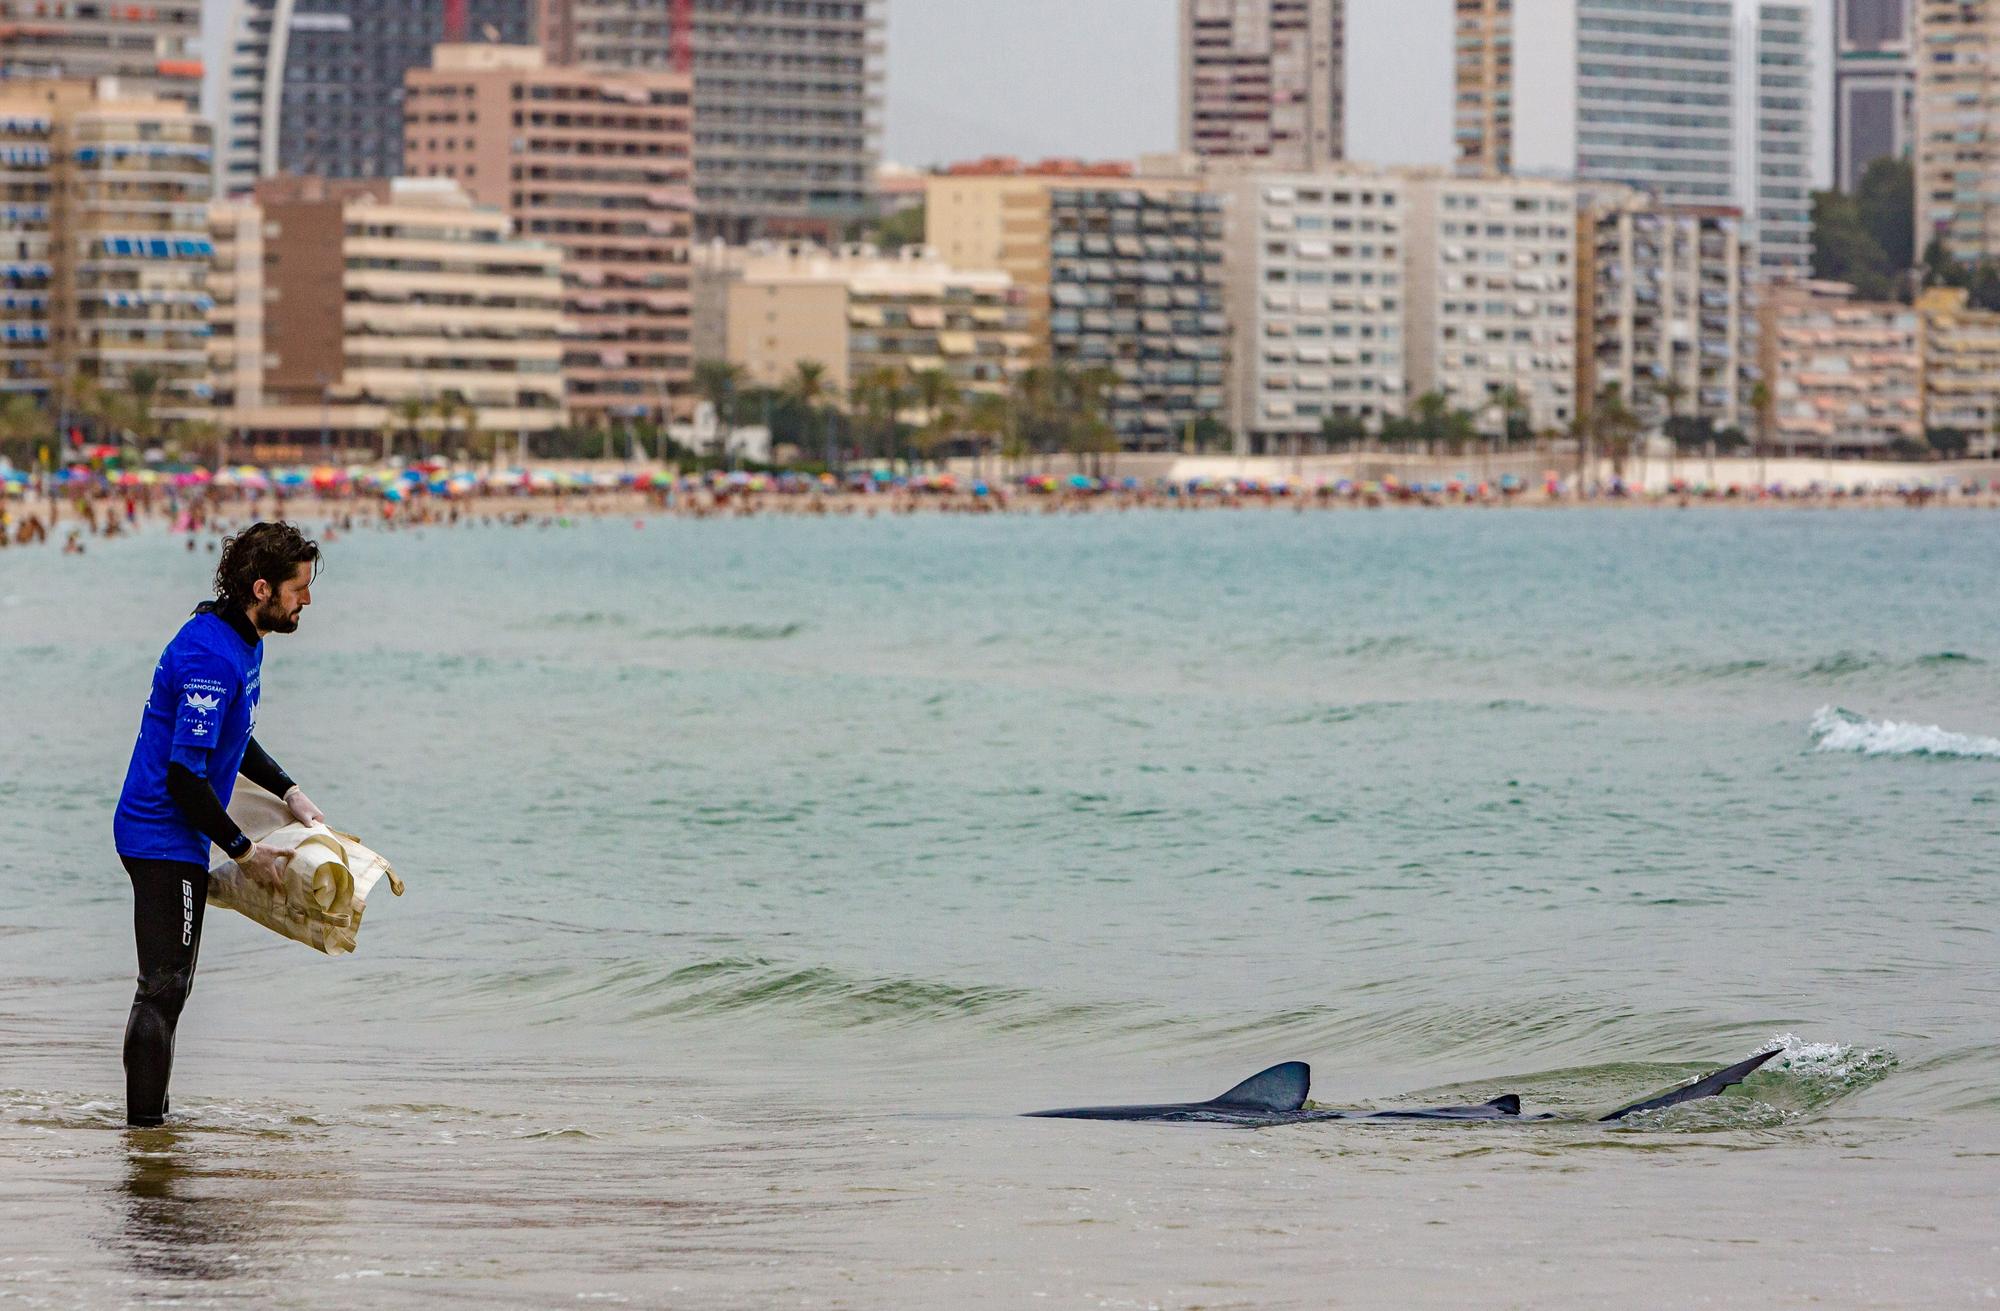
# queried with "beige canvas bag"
point(326, 885)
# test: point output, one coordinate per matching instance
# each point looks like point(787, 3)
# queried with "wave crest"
point(1842, 730)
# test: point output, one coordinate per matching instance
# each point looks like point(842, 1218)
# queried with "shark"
point(1278, 1096)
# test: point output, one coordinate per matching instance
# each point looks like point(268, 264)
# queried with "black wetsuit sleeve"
point(197, 801)
point(260, 769)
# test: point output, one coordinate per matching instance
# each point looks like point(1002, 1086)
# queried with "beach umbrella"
point(291, 478)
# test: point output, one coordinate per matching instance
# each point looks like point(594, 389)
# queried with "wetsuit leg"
point(168, 897)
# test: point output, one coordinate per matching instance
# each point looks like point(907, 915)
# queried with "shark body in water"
point(1278, 1096)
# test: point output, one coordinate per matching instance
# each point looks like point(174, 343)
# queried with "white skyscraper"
point(1700, 102)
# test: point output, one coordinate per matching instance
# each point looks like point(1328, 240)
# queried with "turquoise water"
point(761, 870)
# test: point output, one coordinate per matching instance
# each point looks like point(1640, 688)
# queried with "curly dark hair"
point(270, 551)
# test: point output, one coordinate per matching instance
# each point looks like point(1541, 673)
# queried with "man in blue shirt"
point(194, 738)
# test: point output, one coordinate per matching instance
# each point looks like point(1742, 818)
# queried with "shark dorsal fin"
point(1280, 1088)
point(1507, 1104)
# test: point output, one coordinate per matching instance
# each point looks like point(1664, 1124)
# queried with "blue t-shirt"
point(200, 714)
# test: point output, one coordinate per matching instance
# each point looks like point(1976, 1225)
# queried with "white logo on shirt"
point(202, 705)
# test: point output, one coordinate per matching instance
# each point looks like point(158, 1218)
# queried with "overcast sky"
point(1100, 78)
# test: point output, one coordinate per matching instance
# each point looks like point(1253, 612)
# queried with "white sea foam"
point(1841, 730)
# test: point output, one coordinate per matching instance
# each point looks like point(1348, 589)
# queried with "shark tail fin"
point(1280, 1088)
point(1507, 1104)
point(1706, 1087)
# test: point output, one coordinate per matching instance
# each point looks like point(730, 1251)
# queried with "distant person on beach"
point(194, 738)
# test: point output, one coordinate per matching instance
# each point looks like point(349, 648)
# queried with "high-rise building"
point(1874, 86)
point(392, 294)
point(1675, 98)
point(1136, 289)
point(1777, 109)
point(1661, 309)
point(1492, 296)
point(787, 100)
point(858, 311)
point(598, 163)
point(1315, 302)
point(316, 86)
point(1483, 82)
point(106, 255)
point(152, 49)
point(994, 214)
point(1843, 374)
point(1263, 78)
point(1958, 126)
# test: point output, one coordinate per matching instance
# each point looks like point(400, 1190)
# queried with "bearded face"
point(277, 611)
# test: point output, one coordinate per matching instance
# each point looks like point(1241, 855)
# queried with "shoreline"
point(67, 522)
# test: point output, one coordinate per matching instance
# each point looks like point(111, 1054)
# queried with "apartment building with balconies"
point(1662, 313)
point(1136, 289)
point(1958, 126)
point(1315, 301)
point(153, 49)
point(1483, 86)
point(994, 214)
point(857, 310)
point(1492, 296)
point(1264, 79)
point(1961, 368)
point(598, 163)
point(1843, 375)
point(340, 302)
point(105, 248)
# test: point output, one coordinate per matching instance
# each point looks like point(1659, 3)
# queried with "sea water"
point(761, 871)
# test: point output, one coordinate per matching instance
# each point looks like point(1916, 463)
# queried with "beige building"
point(1483, 86)
point(855, 310)
point(1264, 79)
point(1492, 295)
point(1958, 126)
point(1315, 302)
point(153, 49)
point(597, 163)
point(339, 301)
point(105, 252)
point(1663, 300)
point(1961, 363)
point(994, 214)
point(1843, 374)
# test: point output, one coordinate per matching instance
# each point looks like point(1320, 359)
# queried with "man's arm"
point(260, 769)
point(203, 809)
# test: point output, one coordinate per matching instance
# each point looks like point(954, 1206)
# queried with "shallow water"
point(761, 871)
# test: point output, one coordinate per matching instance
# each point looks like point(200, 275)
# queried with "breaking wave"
point(1842, 730)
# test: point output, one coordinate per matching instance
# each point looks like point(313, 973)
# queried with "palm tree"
point(1432, 408)
point(412, 410)
point(888, 394)
point(1760, 401)
point(811, 388)
point(451, 407)
point(718, 382)
point(991, 420)
point(187, 436)
point(937, 395)
point(1614, 425)
point(1089, 427)
point(1036, 396)
point(24, 427)
point(1672, 391)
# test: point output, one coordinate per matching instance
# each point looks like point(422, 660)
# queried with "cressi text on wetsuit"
point(194, 738)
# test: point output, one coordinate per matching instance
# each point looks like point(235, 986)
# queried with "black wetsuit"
point(168, 897)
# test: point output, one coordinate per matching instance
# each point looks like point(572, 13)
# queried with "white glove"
point(266, 864)
point(301, 806)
